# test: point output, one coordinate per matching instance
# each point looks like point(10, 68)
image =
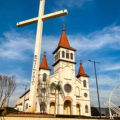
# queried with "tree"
point(7, 87)
point(56, 87)
point(42, 94)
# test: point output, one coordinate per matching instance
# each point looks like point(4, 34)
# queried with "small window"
point(44, 77)
point(63, 54)
point(86, 108)
point(85, 94)
point(84, 83)
point(27, 106)
point(58, 54)
point(72, 56)
point(67, 54)
point(55, 57)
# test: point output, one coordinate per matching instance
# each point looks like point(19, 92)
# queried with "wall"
point(34, 118)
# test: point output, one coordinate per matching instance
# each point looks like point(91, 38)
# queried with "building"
point(73, 98)
point(22, 102)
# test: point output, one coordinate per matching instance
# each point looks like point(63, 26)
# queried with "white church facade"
point(71, 95)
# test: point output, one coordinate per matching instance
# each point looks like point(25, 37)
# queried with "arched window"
point(86, 108)
point(67, 54)
point(58, 54)
point(77, 91)
point(27, 106)
point(44, 77)
point(63, 54)
point(84, 83)
point(85, 94)
point(71, 56)
point(56, 57)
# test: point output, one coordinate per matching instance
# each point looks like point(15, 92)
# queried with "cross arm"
point(55, 14)
point(44, 17)
point(27, 22)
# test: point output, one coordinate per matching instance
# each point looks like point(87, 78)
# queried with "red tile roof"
point(64, 42)
point(44, 64)
point(24, 93)
point(19, 104)
point(81, 71)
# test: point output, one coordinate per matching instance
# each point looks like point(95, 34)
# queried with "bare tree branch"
point(7, 87)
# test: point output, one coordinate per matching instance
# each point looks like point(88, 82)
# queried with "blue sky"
point(92, 27)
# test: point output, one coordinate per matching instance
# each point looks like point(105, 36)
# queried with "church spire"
point(81, 71)
point(44, 64)
point(64, 41)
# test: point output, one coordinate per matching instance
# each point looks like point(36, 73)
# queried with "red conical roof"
point(44, 64)
point(81, 71)
point(64, 42)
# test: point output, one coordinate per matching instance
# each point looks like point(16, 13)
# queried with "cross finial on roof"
point(80, 61)
point(63, 26)
point(44, 53)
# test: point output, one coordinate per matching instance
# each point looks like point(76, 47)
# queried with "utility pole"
point(94, 62)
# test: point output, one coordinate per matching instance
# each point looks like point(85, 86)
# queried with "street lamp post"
point(96, 84)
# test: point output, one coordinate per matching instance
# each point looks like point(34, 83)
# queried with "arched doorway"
point(42, 107)
point(77, 109)
point(52, 108)
point(67, 107)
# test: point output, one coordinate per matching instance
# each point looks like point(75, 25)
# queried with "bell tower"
point(64, 53)
point(83, 77)
point(43, 86)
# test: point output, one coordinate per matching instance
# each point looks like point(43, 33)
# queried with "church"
point(62, 92)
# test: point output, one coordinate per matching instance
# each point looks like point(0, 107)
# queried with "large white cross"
point(39, 20)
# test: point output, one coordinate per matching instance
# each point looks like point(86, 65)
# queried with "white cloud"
point(104, 97)
point(111, 67)
point(15, 44)
point(71, 3)
point(49, 43)
point(109, 37)
point(106, 80)
point(103, 94)
point(106, 84)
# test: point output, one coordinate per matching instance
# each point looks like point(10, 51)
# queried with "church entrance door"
point(52, 108)
point(42, 107)
point(67, 107)
point(77, 109)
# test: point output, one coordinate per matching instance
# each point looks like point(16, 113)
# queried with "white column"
point(74, 107)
